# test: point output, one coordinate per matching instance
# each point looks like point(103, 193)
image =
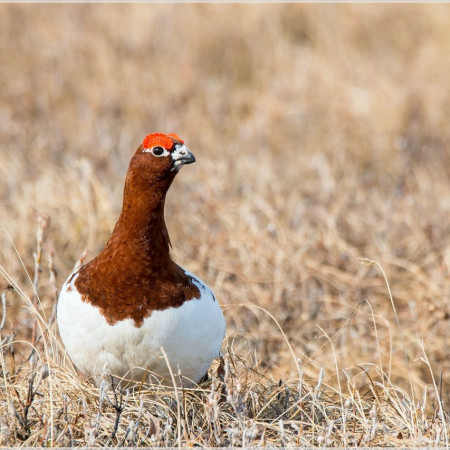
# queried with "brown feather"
point(134, 275)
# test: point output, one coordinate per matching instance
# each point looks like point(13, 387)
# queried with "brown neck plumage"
point(142, 217)
point(134, 273)
point(141, 222)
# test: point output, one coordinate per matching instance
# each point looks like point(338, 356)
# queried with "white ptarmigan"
point(131, 300)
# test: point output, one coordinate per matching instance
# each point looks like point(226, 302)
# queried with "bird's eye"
point(157, 151)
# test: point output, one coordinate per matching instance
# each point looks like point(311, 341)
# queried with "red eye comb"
point(160, 139)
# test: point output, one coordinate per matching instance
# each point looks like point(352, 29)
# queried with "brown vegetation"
point(317, 211)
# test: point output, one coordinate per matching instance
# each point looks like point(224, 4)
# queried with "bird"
point(132, 311)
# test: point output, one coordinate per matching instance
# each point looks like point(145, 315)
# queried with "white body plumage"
point(191, 336)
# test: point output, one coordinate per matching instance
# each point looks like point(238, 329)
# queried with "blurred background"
point(321, 136)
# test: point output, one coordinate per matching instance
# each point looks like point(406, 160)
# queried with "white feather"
point(191, 336)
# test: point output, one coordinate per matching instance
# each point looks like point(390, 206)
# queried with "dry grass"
point(321, 134)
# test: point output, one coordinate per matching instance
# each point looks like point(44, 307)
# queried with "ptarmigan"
point(132, 300)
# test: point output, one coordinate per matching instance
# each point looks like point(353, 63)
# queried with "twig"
point(176, 396)
point(43, 221)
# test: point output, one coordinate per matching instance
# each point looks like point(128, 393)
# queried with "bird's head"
point(154, 166)
point(163, 154)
